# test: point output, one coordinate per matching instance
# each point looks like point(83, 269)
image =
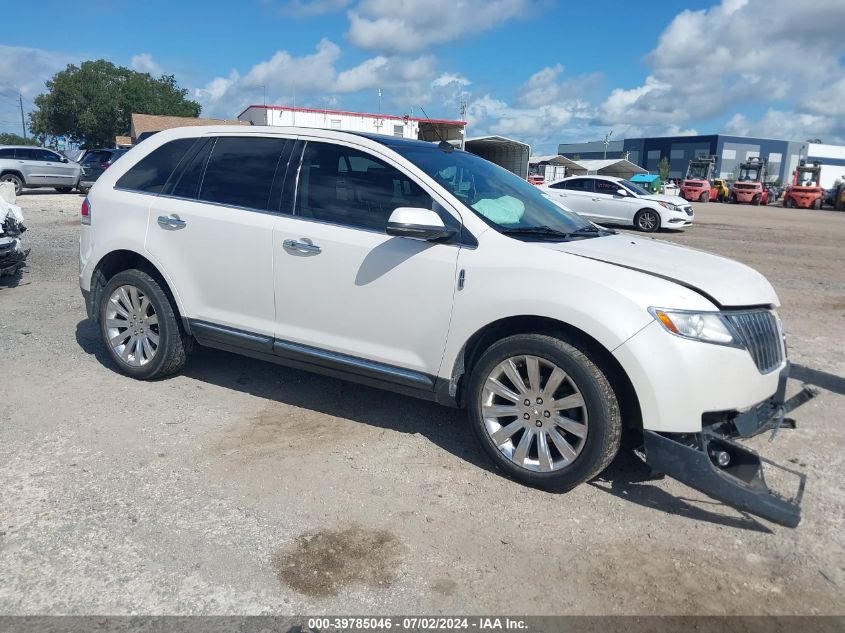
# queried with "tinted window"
point(240, 171)
point(580, 184)
point(26, 154)
point(7, 152)
point(558, 185)
point(189, 177)
point(153, 170)
point(96, 157)
point(345, 186)
point(606, 187)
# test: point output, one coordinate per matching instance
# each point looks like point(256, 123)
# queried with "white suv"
point(427, 270)
point(611, 200)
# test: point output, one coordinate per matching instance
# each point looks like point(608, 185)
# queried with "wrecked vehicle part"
point(713, 463)
point(12, 252)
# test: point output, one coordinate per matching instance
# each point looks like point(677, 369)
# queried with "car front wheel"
point(647, 220)
point(139, 327)
point(543, 411)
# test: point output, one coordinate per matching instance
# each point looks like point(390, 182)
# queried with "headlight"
point(709, 327)
point(669, 206)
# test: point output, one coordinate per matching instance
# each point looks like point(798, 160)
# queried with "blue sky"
point(538, 70)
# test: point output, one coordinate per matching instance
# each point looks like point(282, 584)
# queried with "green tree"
point(93, 102)
point(8, 138)
point(663, 167)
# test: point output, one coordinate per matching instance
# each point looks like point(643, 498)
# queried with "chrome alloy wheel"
point(534, 413)
point(647, 221)
point(132, 326)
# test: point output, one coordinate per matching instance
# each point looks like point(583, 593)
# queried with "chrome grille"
point(761, 335)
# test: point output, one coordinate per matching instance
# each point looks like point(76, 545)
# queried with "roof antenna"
point(446, 147)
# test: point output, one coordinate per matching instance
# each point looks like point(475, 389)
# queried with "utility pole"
point(607, 142)
point(379, 100)
point(23, 122)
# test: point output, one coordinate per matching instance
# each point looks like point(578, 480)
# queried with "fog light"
point(720, 458)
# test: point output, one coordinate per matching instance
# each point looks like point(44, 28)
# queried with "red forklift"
point(698, 186)
point(750, 187)
point(806, 191)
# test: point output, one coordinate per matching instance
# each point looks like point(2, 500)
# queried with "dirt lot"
point(243, 487)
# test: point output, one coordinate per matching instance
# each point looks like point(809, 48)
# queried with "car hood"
point(723, 281)
point(660, 197)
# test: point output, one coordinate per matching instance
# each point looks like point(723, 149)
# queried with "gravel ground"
point(244, 487)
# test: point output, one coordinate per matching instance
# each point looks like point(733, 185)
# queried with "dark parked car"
point(94, 163)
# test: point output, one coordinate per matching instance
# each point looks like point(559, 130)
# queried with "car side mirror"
point(64, 159)
point(621, 192)
point(418, 224)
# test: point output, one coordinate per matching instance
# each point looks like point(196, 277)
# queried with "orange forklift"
point(750, 187)
point(806, 191)
point(698, 185)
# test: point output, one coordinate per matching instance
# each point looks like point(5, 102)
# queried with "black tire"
point(755, 200)
point(83, 190)
point(817, 204)
point(64, 189)
point(789, 203)
point(15, 180)
point(604, 430)
point(704, 197)
point(171, 353)
point(642, 223)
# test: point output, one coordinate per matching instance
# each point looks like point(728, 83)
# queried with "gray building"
point(730, 151)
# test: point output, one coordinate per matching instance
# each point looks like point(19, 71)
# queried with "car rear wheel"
point(543, 411)
point(647, 220)
point(82, 189)
point(15, 180)
point(139, 327)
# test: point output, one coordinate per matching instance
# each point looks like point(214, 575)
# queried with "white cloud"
point(405, 26)
point(317, 79)
point(714, 62)
point(25, 70)
point(144, 63)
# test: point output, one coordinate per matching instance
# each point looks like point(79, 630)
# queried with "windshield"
point(502, 199)
point(749, 174)
point(630, 186)
point(698, 171)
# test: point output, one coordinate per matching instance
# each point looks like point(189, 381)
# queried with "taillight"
point(86, 212)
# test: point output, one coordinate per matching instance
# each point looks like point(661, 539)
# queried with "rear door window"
point(150, 174)
point(7, 152)
point(241, 170)
point(580, 184)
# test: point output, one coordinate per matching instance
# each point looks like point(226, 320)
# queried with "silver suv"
point(30, 167)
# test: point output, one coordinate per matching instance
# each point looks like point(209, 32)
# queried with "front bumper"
point(691, 458)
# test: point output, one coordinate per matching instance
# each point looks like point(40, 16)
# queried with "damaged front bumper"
point(712, 463)
point(12, 252)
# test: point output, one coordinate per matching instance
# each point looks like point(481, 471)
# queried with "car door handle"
point(303, 246)
point(596, 199)
point(171, 222)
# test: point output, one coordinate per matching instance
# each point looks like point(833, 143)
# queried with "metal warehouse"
point(783, 156)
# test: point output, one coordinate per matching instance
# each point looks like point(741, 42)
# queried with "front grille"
point(749, 187)
point(759, 331)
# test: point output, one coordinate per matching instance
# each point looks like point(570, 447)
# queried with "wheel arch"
point(13, 172)
point(117, 261)
point(453, 390)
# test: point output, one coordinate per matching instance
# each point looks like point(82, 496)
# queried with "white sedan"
point(610, 200)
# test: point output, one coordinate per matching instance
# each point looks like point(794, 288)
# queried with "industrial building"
point(392, 125)
point(783, 156)
point(510, 154)
point(553, 168)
